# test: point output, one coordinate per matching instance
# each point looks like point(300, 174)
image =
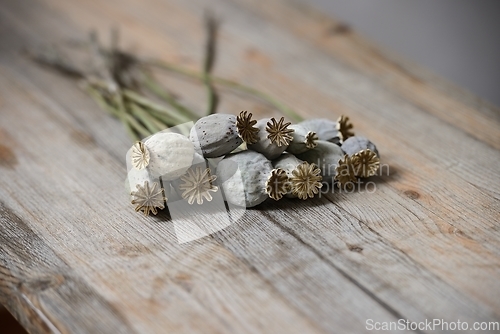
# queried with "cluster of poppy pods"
point(247, 160)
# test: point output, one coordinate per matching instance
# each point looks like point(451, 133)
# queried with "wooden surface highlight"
point(75, 257)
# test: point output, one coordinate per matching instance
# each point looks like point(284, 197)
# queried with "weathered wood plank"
point(380, 264)
point(42, 289)
point(110, 244)
point(414, 249)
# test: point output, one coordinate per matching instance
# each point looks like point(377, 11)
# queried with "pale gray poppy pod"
point(325, 129)
point(302, 139)
point(326, 156)
point(355, 144)
point(247, 179)
point(288, 162)
point(138, 177)
point(215, 135)
point(170, 155)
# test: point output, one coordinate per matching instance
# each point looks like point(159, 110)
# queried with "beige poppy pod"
point(139, 155)
point(304, 179)
point(146, 193)
point(246, 127)
point(170, 155)
point(198, 183)
point(345, 127)
point(345, 175)
point(148, 198)
point(366, 163)
point(303, 139)
point(273, 137)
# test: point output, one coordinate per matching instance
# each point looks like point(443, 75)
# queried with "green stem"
point(184, 128)
point(156, 88)
point(145, 118)
point(156, 121)
point(129, 119)
point(208, 62)
point(212, 97)
point(103, 104)
point(169, 121)
point(137, 98)
point(289, 112)
point(180, 118)
point(137, 126)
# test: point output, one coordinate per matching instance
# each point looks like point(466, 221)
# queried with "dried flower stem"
point(211, 29)
point(163, 117)
point(152, 84)
point(154, 106)
point(116, 90)
point(142, 114)
point(287, 111)
point(146, 118)
point(141, 129)
point(104, 105)
point(145, 102)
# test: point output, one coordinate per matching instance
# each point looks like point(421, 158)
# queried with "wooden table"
point(75, 257)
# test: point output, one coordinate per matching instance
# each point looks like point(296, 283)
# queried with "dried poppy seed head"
point(366, 163)
point(246, 128)
point(311, 138)
point(268, 141)
point(325, 129)
point(345, 175)
point(277, 184)
point(197, 183)
point(139, 155)
point(306, 180)
point(345, 127)
point(278, 132)
point(148, 199)
point(303, 139)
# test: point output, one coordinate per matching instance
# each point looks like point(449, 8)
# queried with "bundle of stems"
point(122, 84)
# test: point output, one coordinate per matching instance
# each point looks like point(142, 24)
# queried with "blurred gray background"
point(457, 39)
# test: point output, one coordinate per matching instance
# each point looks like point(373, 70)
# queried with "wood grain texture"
point(75, 257)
